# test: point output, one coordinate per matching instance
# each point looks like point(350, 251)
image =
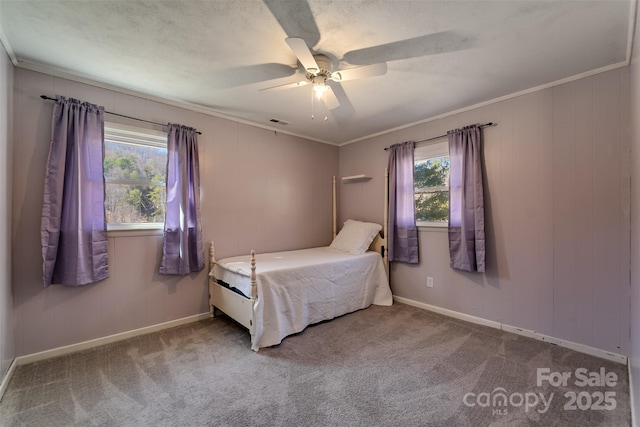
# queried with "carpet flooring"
point(382, 366)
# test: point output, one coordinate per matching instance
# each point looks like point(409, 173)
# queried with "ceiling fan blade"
point(285, 86)
point(330, 99)
point(359, 72)
point(304, 55)
point(345, 111)
point(295, 18)
point(430, 44)
point(239, 76)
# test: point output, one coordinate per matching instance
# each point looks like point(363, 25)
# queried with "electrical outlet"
point(429, 282)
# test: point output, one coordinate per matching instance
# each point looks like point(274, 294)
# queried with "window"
point(135, 169)
point(431, 184)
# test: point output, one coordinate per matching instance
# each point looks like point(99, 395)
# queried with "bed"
point(278, 294)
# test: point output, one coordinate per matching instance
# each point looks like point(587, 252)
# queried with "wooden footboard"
point(234, 305)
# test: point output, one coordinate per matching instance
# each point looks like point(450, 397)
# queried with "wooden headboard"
point(379, 244)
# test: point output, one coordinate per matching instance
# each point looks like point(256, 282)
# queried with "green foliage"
point(432, 207)
point(147, 200)
point(127, 201)
point(431, 193)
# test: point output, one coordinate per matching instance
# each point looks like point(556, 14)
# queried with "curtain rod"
point(445, 135)
point(119, 115)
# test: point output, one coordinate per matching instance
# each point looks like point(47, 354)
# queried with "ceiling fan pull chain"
point(324, 104)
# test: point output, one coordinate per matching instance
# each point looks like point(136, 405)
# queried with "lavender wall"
point(7, 318)
point(634, 359)
point(260, 190)
point(557, 219)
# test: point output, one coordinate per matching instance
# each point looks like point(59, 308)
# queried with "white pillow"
point(355, 237)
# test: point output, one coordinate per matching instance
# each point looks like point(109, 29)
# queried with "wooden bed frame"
point(240, 308)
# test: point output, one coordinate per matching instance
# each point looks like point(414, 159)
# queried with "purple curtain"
point(466, 200)
point(182, 250)
point(403, 234)
point(73, 229)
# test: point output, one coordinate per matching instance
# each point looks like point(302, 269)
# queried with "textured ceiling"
point(441, 55)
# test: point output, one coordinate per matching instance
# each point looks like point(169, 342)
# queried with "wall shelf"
point(355, 178)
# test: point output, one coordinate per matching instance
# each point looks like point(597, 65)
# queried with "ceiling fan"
point(319, 70)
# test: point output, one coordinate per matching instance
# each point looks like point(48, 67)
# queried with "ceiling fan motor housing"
point(325, 65)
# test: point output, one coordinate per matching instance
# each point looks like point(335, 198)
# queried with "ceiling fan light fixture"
point(319, 86)
point(319, 89)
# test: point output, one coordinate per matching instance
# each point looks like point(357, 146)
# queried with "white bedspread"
point(299, 288)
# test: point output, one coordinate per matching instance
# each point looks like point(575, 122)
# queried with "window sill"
point(132, 230)
point(426, 227)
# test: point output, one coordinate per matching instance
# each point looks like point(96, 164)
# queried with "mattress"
point(302, 287)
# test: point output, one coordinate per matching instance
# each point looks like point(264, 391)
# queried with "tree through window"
point(135, 169)
point(431, 184)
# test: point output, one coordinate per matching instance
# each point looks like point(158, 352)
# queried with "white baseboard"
point(450, 313)
point(614, 357)
point(60, 351)
point(597, 352)
point(5, 381)
point(635, 422)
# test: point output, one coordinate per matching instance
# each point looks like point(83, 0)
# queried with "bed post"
point(212, 256)
point(385, 221)
point(254, 298)
point(212, 263)
point(335, 230)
